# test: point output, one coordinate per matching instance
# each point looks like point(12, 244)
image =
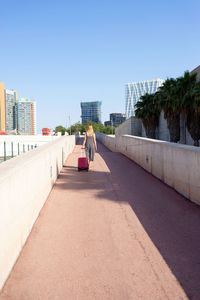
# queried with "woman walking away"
point(90, 144)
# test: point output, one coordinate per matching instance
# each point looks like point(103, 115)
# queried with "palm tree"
point(168, 95)
point(185, 88)
point(148, 110)
point(193, 114)
point(189, 93)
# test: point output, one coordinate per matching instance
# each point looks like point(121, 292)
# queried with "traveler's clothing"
point(89, 147)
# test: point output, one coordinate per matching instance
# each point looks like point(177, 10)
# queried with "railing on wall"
point(11, 149)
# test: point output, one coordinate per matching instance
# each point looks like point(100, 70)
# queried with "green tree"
point(148, 111)
point(185, 86)
point(77, 127)
point(189, 93)
point(169, 101)
point(193, 114)
point(176, 97)
point(109, 130)
point(61, 129)
point(98, 127)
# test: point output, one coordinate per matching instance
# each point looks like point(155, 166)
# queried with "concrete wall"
point(30, 140)
point(124, 128)
point(189, 139)
point(143, 131)
point(108, 140)
point(196, 70)
point(163, 131)
point(25, 182)
point(175, 164)
point(134, 126)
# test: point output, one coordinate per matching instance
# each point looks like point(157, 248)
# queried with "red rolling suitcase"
point(83, 163)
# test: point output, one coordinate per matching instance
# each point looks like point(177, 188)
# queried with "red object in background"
point(46, 131)
point(2, 133)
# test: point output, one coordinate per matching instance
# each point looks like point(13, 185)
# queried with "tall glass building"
point(11, 118)
point(16, 115)
point(134, 90)
point(2, 108)
point(26, 115)
point(91, 111)
point(115, 119)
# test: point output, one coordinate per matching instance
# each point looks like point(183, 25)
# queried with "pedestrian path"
point(113, 233)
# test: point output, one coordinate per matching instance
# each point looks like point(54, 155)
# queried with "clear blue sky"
point(61, 52)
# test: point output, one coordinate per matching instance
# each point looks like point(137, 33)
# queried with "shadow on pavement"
point(171, 221)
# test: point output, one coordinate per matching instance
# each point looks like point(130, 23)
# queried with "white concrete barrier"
point(25, 182)
point(135, 127)
point(175, 164)
point(108, 140)
point(21, 143)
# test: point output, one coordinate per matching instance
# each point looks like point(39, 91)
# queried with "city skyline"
point(17, 115)
point(73, 52)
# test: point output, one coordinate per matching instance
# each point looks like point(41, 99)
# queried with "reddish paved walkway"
point(113, 233)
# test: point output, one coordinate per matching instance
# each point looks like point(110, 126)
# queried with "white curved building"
point(135, 90)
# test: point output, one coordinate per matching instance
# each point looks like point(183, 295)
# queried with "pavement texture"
point(115, 232)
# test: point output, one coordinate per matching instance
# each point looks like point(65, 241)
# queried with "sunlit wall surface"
point(134, 90)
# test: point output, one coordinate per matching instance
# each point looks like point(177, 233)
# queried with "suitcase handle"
point(82, 153)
